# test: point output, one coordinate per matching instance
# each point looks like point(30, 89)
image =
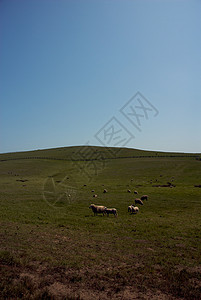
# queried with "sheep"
point(111, 211)
point(133, 209)
point(95, 196)
point(138, 201)
point(144, 197)
point(135, 192)
point(129, 191)
point(97, 209)
point(130, 208)
point(92, 191)
point(105, 191)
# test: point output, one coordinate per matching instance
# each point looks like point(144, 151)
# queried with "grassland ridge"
point(91, 153)
point(103, 158)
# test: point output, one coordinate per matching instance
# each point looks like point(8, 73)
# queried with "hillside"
point(91, 152)
point(52, 246)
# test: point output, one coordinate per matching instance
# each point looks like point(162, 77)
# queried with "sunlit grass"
point(60, 230)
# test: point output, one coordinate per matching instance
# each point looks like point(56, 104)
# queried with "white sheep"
point(138, 201)
point(97, 209)
point(133, 209)
point(112, 211)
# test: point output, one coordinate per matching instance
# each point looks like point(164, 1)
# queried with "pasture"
point(53, 247)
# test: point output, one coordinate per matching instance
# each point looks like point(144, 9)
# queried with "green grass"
point(55, 240)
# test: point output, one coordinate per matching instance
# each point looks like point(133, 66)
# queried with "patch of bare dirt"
point(40, 280)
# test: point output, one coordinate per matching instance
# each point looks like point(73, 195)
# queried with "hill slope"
point(51, 245)
point(91, 152)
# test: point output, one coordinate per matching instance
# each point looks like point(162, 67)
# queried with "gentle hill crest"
point(91, 153)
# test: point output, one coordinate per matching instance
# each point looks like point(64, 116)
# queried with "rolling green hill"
point(91, 152)
point(51, 245)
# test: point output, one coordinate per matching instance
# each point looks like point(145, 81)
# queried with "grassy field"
point(52, 247)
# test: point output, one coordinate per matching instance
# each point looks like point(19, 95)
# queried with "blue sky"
point(67, 68)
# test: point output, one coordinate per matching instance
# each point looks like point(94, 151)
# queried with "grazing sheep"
point(144, 197)
point(129, 191)
point(111, 211)
point(105, 191)
point(95, 196)
point(138, 201)
point(92, 191)
point(97, 209)
point(135, 192)
point(133, 209)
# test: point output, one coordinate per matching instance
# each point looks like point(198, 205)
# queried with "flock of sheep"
point(99, 209)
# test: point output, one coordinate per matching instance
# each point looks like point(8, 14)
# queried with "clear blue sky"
point(67, 67)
